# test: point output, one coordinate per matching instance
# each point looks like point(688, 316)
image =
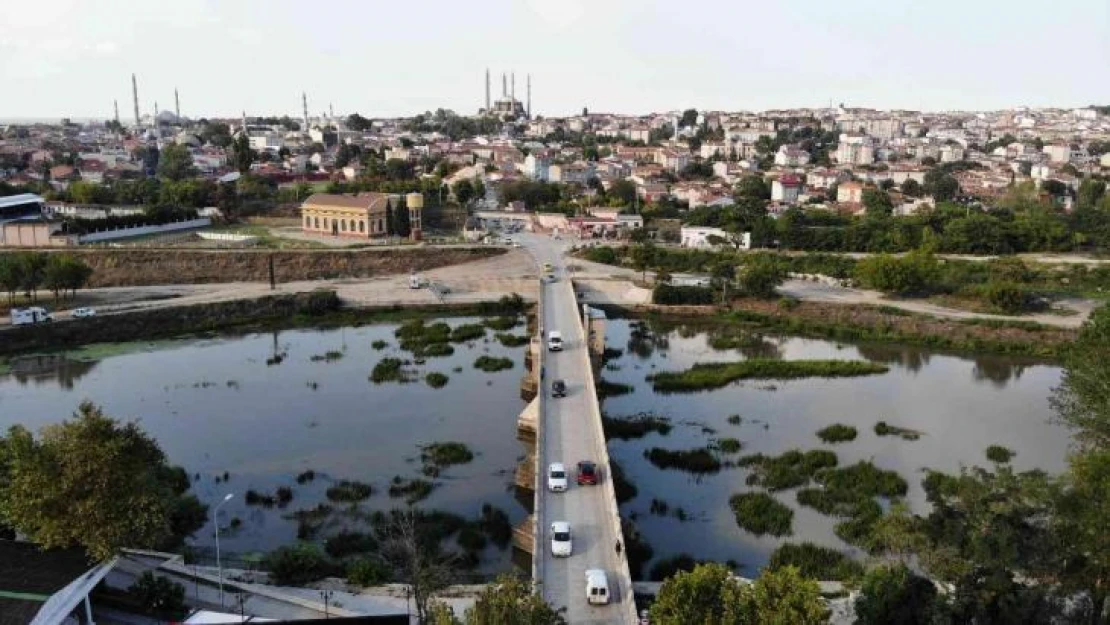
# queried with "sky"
point(72, 58)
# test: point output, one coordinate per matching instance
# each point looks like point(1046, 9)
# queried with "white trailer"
point(32, 315)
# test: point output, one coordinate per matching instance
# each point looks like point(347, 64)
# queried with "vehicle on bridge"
point(587, 473)
point(558, 388)
point(597, 587)
point(555, 341)
point(32, 315)
point(84, 312)
point(557, 477)
point(560, 539)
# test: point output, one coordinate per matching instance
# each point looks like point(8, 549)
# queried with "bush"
point(471, 539)
point(445, 454)
point(623, 488)
point(916, 273)
point(882, 428)
point(379, 344)
point(638, 426)
point(512, 340)
point(601, 254)
point(667, 567)
point(894, 594)
point(865, 478)
point(501, 324)
point(436, 379)
point(297, 565)
point(389, 370)
point(704, 376)
point(495, 523)
point(1007, 297)
point(284, 495)
point(255, 498)
point(605, 388)
point(668, 295)
point(999, 454)
point(729, 445)
point(346, 543)
point(347, 491)
point(698, 460)
point(159, 596)
point(367, 572)
point(760, 276)
point(760, 513)
point(735, 419)
point(816, 562)
point(412, 490)
point(490, 364)
point(306, 476)
point(321, 302)
point(788, 470)
point(468, 332)
point(837, 433)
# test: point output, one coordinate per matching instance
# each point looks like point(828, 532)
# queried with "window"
point(307, 222)
point(361, 226)
point(343, 225)
point(317, 222)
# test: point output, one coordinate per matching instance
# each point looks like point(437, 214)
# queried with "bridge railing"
point(623, 572)
point(539, 526)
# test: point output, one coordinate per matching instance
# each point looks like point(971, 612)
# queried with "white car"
point(560, 539)
point(557, 477)
point(555, 341)
point(81, 313)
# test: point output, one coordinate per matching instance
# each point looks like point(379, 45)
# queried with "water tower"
point(415, 204)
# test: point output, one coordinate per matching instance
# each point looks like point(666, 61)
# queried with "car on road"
point(547, 268)
point(587, 473)
point(555, 341)
point(560, 539)
point(597, 587)
point(83, 312)
point(558, 388)
point(557, 477)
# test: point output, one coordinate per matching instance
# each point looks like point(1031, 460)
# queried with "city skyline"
point(620, 58)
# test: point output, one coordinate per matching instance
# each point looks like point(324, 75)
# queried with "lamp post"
point(216, 522)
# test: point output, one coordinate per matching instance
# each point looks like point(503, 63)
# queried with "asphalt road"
point(569, 437)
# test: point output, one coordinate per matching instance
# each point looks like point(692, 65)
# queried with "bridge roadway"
point(570, 431)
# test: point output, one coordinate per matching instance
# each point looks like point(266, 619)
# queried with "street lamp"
point(216, 522)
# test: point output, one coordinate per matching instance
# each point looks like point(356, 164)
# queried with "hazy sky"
point(73, 57)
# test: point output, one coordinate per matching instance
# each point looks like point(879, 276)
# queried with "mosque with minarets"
point(507, 107)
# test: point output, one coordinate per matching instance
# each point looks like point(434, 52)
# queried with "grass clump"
point(389, 370)
point(735, 419)
point(501, 324)
point(412, 490)
point(347, 543)
point(729, 445)
point(699, 460)
point(816, 562)
point(491, 364)
point(623, 488)
point(379, 344)
point(512, 340)
point(255, 498)
point(439, 456)
point(349, 491)
point(468, 332)
point(791, 469)
point(436, 379)
point(305, 477)
point(760, 513)
point(605, 388)
point(882, 428)
point(1000, 454)
point(837, 433)
point(328, 356)
point(636, 426)
point(864, 478)
point(705, 376)
point(425, 340)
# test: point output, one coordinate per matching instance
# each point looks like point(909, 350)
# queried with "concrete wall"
point(125, 233)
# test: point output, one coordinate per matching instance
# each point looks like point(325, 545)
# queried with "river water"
point(216, 406)
point(960, 404)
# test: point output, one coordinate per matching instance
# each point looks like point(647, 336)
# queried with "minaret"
point(331, 111)
point(304, 104)
point(154, 115)
point(487, 90)
point(115, 105)
point(528, 109)
point(504, 86)
point(512, 88)
point(135, 93)
point(245, 124)
point(176, 105)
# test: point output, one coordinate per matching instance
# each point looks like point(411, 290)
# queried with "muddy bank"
point(142, 267)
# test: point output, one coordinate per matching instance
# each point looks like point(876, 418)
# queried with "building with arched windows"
point(363, 216)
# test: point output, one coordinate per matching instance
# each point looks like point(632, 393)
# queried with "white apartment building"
point(1058, 153)
point(786, 189)
point(951, 153)
point(536, 167)
point(789, 156)
point(855, 150)
point(697, 237)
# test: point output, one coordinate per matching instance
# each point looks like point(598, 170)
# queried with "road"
point(568, 437)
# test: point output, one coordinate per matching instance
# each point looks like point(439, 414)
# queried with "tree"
point(1090, 192)
point(711, 595)
point(783, 597)
point(11, 275)
point(689, 118)
point(895, 594)
point(390, 225)
point(624, 190)
point(160, 596)
point(416, 560)
point(941, 185)
point(511, 600)
point(1082, 508)
point(913, 274)
point(1082, 401)
point(64, 272)
point(464, 191)
point(761, 275)
point(877, 203)
point(401, 224)
point(176, 163)
point(241, 153)
point(642, 255)
point(31, 269)
point(94, 482)
point(911, 188)
point(752, 187)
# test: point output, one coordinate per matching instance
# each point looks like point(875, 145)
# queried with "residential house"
point(674, 160)
point(786, 189)
point(698, 237)
point(709, 149)
point(790, 156)
point(850, 193)
point(1058, 153)
point(536, 167)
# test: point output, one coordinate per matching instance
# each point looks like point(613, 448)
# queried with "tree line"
point(27, 272)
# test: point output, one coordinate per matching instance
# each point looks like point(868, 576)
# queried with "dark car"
point(558, 388)
point(587, 473)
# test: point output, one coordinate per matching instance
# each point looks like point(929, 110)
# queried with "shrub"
point(471, 539)
point(445, 454)
point(865, 478)
point(837, 433)
point(436, 379)
point(255, 498)
point(389, 370)
point(433, 350)
point(367, 572)
point(329, 356)
point(412, 490)
point(284, 495)
point(159, 596)
point(638, 426)
point(605, 388)
point(760, 276)
point(667, 567)
point(346, 543)
point(468, 332)
point(601, 254)
point(623, 488)
point(735, 419)
point(760, 513)
point(1009, 298)
point(999, 454)
point(347, 491)
point(306, 476)
point(669, 295)
point(704, 376)
point(297, 565)
point(729, 445)
point(894, 594)
point(882, 428)
point(379, 344)
point(916, 273)
point(321, 301)
point(699, 460)
point(490, 364)
point(512, 340)
point(788, 470)
point(501, 324)
point(816, 562)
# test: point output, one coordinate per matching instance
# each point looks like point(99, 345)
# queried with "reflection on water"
point(961, 404)
point(262, 409)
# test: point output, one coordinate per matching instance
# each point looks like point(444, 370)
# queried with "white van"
point(597, 587)
point(32, 315)
point(415, 281)
point(555, 341)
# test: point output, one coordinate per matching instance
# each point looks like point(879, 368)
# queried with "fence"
point(138, 231)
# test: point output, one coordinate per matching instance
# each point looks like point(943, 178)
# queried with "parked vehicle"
point(547, 268)
point(560, 539)
point(597, 587)
point(587, 473)
point(558, 388)
point(557, 477)
point(29, 316)
point(84, 312)
point(416, 282)
point(555, 341)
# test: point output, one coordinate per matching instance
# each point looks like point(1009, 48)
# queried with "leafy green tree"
point(877, 203)
point(913, 274)
point(241, 154)
point(1082, 400)
point(643, 256)
point(1091, 191)
point(783, 597)
point(941, 185)
point(709, 595)
point(93, 482)
point(64, 272)
point(752, 187)
point(176, 163)
point(1083, 551)
point(511, 601)
point(390, 219)
point(911, 188)
point(760, 276)
point(31, 270)
point(160, 596)
point(689, 118)
point(624, 191)
point(464, 191)
point(402, 225)
point(11, 275)
point(895, 594)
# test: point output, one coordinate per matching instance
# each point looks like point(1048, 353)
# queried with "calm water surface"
point(962, 405)
point(216, 406)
